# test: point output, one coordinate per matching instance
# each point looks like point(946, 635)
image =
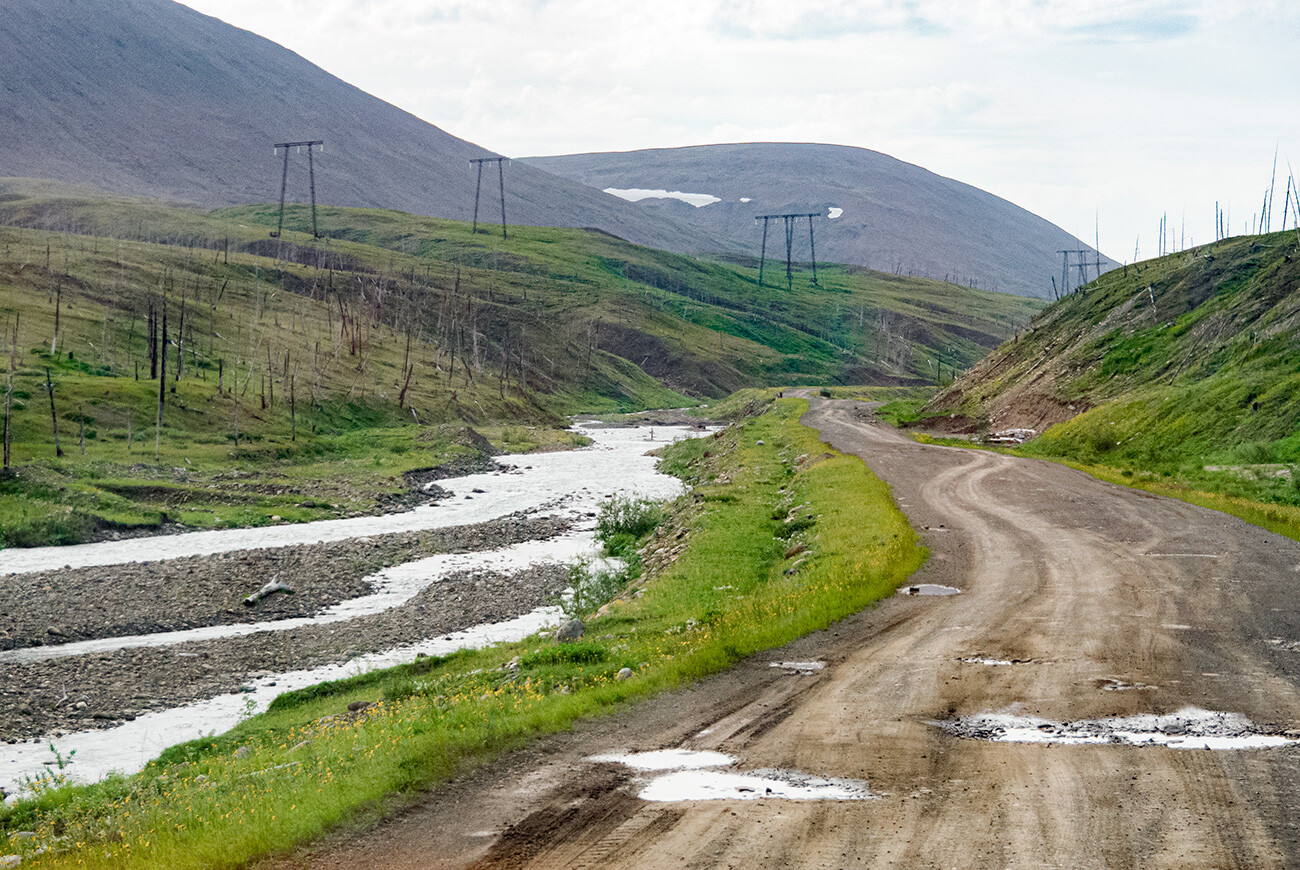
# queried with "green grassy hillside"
point(288, 357)
point(1186, 367)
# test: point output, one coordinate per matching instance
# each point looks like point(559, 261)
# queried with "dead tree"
point(54, 417)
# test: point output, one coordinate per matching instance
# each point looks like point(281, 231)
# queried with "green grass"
point(309, 342)
point(304, 767)
point(1181, 372)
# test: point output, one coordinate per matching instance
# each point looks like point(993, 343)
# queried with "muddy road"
point(1079, 601)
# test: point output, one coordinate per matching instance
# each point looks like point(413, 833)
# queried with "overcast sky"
point(1074, 109)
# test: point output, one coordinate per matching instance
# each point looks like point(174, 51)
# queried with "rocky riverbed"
point(166, 650)
point(79, 692)
point(55, 607)
point(101, 689)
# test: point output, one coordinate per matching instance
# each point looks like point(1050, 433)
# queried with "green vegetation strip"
point(1251, 499)
point(1280, 519)
point(785, 537)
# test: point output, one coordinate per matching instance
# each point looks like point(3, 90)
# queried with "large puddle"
point(687, 775)
point(576, 480)
point(1189, 728)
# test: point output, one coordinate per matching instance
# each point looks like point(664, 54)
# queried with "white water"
point(126, 748)
point(394, 587)
point(577, 480)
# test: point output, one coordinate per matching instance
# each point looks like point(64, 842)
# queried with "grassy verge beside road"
point(1225, 480)
point(783, 537)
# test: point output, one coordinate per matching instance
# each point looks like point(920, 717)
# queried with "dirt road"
point(1080, 600)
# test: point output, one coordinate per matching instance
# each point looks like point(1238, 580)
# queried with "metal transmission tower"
point(284, 181)
point(790, 220)
point(501, 180)
point(1082, 266)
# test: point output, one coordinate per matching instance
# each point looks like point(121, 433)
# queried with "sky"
point(1099, 115)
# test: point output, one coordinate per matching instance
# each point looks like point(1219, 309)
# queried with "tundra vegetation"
point(777, 536)
point(164, 364)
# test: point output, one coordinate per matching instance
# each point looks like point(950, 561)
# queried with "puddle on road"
point(799, 667)
point(690, 775)
point(1189, 728)
point(928, 589)
point(993, 663)
point(710, 785)
point(667, 759)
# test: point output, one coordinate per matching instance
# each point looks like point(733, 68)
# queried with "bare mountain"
point(890, 215)
point(150, 98)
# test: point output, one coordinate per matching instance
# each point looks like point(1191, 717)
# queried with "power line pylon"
point(501, 180)
point(790, 221)
point(284, 181)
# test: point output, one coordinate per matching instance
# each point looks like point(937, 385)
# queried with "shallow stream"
point(573, 482)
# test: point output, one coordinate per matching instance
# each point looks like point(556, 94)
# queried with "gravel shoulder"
point(1079, 586)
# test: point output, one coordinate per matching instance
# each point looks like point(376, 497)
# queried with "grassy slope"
point(1150, 376)
point(730, 594)
point(512, 332)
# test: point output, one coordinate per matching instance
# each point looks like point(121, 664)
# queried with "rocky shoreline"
point(101, 689)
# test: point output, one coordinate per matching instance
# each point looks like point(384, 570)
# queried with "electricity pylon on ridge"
point(284, 181)
point(790, 220)
point(478, 186)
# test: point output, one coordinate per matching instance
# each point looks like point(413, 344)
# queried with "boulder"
point(570, 631)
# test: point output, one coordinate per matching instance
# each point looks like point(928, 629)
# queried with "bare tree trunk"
point(180, 332)
point(293, 406)
point(54, 418)
point(9, 396)
point(58, 308)
point(162, 385)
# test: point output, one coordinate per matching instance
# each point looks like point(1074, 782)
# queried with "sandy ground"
point(1086, 586)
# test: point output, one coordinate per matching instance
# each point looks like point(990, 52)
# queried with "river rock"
point(570, 631)
point(623, 674)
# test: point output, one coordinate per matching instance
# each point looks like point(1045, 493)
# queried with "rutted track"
point(1072, 589)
